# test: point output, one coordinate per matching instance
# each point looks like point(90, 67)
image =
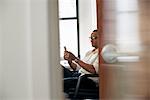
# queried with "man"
point(86, 66)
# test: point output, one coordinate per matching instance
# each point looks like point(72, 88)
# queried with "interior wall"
point(29, 54)
point(87, 23)
point(0, 56)
point(15, 66)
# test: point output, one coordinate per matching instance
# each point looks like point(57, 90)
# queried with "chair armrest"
point(90, 75)
point(70, 78)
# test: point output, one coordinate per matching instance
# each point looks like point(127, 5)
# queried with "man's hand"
point(72, 56)
point(66, 55)
point(69, 56)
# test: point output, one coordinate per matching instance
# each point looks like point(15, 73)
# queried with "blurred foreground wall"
point(29, 53)
point(126, 24)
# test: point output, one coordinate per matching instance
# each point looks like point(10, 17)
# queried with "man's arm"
point(90, 68)
point(72, 65)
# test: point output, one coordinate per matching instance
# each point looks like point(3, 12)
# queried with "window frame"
point(77, 18)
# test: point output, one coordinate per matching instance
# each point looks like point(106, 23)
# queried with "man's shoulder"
point(92, 52)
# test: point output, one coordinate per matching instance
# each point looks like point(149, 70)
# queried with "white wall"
point(15, 69)
point(87, 22)
point(29, 54)
point(1, 87)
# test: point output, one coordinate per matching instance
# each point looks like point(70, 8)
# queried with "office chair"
point(82, 93)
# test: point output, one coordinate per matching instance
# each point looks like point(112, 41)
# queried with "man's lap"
point(68, 73)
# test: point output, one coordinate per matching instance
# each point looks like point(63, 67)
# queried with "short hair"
point(95, 30)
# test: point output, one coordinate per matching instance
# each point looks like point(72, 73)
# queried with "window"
point(68, 26)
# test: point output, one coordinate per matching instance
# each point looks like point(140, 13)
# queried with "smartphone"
point(65, 48)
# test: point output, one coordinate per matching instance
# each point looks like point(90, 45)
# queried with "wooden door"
point(125, 24)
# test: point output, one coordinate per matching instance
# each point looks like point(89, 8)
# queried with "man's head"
point(94, 38)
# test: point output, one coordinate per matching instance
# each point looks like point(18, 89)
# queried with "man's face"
point(94, 39)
